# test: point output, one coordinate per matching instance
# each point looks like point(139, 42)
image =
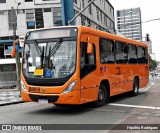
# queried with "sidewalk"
point(9, 96)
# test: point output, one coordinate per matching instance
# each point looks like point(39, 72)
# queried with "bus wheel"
point(135, 88)
point(102, 96)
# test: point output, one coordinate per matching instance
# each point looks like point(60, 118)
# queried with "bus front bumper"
point(69, 98)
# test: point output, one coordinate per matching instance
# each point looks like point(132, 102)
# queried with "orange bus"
point(78, 64)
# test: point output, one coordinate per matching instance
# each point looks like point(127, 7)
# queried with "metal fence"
point(8, 79)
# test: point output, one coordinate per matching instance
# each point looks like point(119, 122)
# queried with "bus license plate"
point(43, 101)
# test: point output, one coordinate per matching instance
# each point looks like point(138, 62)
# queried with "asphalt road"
point(123, 109)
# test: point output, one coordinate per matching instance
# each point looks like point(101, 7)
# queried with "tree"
point(152, 64)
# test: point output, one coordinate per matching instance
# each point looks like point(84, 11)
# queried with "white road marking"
point(147, 88)
point(135, 106)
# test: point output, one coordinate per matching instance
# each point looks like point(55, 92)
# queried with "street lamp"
point(19, 3)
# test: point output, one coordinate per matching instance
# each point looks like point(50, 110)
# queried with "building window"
point(57, 16)
point(97, 13)
point(47, 9)
point(21, 11)
point(88, 22)
point(83, 4)
point(75, 1)
point(39, 18)
point(3, 12)
point(90, 8)
point(101, 16)
point(2, 1)
point(105, 20)
point(11, 19)
point(30, 19)
point(83, 20)
point(28, 0)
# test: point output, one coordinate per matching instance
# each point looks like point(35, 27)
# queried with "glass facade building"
point(129, 23)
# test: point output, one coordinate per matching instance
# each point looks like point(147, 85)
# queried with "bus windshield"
point(49, 59)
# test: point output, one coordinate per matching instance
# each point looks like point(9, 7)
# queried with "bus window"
point(132, 54)
point(141, 55)
point(88, 61)
point(106, 51)
point(120, 53)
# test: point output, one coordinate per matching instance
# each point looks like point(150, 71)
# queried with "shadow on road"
point(63, 110)
point(81, 109)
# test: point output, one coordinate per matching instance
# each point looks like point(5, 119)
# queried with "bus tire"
point(102, 96)
point(135, 87)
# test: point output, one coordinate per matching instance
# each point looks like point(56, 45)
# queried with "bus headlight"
point(23, 86)
point(70, 87)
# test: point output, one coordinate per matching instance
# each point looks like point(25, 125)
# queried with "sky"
point(150, 9)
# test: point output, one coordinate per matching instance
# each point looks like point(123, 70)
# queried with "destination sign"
point(52, 33)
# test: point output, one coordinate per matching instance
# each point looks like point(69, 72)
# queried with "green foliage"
point(152, 64)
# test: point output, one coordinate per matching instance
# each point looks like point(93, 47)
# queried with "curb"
point(4, 104)
point(7, 90)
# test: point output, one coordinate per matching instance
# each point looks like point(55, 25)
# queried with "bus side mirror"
point(89, 48)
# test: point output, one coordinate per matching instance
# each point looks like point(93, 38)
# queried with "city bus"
point(73, 65)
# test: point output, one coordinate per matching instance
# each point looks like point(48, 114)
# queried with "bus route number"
point(34, 89)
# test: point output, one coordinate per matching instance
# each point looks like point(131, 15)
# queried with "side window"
point(121, 51)
point(146, 50)
point(141, 55)
point(88, 61)
point(132, 54)
point(106, 51)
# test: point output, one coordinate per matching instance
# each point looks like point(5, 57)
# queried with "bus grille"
point(50, 98)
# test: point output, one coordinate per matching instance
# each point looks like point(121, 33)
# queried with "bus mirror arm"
point(89, 48)
point(27, 55)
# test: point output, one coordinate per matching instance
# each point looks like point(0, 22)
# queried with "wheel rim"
point(136, 88)
point(100, 95)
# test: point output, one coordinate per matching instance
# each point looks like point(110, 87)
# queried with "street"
point(123, 109)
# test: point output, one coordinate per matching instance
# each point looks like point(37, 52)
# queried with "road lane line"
point(135, 106)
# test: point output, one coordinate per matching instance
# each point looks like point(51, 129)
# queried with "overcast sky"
point(150, 9)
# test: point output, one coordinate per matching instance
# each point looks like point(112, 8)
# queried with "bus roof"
point(110, 36)
point(89, 30)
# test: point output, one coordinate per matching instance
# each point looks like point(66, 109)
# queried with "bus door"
point(89, 83)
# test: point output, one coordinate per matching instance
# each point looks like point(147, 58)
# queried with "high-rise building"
point(129, 23)
point(149, 43)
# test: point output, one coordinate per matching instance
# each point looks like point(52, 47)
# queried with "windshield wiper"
point(55, 48)
point(38, 49)
point(52, 52)
point(42, 57)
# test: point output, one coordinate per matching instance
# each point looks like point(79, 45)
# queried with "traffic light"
point(147, 38)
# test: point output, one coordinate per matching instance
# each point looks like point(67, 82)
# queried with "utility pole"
point(14, 23)
point(70, 21)
point(17, 56)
